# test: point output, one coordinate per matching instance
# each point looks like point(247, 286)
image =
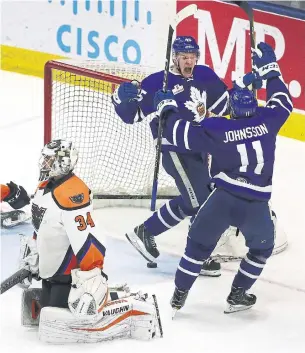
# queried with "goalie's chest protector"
point(52, 240)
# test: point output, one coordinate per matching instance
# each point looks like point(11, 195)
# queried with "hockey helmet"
point(242, 103)
point(185, 44)
point(58, 158)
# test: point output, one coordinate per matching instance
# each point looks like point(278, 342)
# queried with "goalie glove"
point(29, 259)
point(88, 294)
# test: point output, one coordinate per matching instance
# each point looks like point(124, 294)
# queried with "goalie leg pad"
point(30, 307)
point(124, 318)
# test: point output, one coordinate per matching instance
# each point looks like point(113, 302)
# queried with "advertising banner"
point(222, 31)
point(106, 30)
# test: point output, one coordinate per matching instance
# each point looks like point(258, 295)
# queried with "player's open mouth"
point(188, 70)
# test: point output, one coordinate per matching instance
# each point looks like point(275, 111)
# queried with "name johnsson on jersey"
point(247, 133)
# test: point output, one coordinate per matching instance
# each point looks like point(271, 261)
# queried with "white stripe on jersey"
point(186, 140)
point(281, 94)
point(229, 180)
point(225, 96)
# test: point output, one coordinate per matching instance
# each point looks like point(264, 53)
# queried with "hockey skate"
point(143, 241)
point(210, 268)
point(178, 300)
point(239, 300)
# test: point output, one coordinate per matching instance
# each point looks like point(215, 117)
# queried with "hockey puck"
point(152, 265)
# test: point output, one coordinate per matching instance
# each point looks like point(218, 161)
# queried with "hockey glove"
point(247, 80)
point(164, 102)
point(89, 292)
point(264, 61)
point(17, 197)
point(126, 91)
point(29, 259)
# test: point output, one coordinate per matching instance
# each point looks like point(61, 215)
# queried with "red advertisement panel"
point(222, 31)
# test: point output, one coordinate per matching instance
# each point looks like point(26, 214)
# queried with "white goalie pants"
point(122, 318)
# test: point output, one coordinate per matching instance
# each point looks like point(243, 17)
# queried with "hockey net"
point(116, 160)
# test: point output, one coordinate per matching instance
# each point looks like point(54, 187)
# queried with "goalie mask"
point(58, 158)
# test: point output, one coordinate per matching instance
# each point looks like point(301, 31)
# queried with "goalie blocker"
point(135, 316)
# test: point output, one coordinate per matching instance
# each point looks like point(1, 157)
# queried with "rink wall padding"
point(31, 62)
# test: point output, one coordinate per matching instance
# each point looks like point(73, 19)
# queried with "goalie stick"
point(180, 16)
point(158, 315)
point(14, 279)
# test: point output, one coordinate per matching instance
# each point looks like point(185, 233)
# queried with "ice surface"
point(275, 324)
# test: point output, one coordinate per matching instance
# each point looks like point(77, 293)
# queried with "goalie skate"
point(239, 300)
point(13, 218)
point(144, 242)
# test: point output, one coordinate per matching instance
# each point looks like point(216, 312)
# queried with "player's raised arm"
point(278, 97)
point(125, 101)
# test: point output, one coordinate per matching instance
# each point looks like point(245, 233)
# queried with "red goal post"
point(116, 159)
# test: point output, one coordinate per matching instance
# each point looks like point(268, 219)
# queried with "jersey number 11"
point(245, 160)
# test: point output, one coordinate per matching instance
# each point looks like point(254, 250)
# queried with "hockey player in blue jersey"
point(243, 153)
point(199, 92)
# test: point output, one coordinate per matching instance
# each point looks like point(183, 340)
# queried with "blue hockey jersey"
point(243, 150)
point(196, 97)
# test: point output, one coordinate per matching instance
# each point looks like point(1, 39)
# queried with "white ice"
point(275, 324)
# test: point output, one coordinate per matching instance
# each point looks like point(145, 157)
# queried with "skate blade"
point(216, 273)
point(139, 246)
point(235, 308)
point(174, 312)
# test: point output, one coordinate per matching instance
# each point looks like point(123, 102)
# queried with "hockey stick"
point(14, 279)
point(180, 16)
point(249, 11)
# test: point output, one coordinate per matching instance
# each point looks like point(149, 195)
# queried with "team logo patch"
point(177, 89)
point(197, 104)
point(37, 215)
point(79, 198)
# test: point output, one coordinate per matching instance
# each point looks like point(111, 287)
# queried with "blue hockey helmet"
point(185, 44)
point(242, 103)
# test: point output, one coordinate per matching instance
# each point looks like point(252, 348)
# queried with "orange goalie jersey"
point(67, 236)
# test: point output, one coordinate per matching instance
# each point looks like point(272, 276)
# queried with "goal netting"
point(116, 159)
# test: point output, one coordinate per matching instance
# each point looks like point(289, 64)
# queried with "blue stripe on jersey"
point(84, 249)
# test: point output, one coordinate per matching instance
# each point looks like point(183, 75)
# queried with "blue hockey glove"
point(248, 79)
point(264, 61)
point(165, 101)
point(126, 91)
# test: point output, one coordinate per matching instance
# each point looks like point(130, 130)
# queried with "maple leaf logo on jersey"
point(197, 105)
point(77, 198)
